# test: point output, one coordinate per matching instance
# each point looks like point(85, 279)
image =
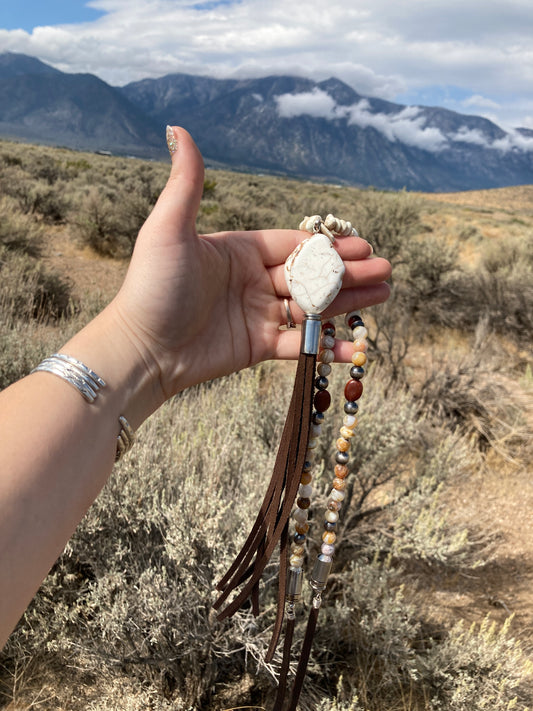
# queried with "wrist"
point(107, 346)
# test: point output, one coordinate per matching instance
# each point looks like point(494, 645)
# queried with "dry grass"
point(440, 501)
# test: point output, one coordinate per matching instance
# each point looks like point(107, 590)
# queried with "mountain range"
point(284, 125)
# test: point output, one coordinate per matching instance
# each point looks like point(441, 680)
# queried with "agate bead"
point(303, 503)
point(339, 484)
point(346, 432)
point(324, 369)
point(359, 359)
point(343, 445)
point(329, 537)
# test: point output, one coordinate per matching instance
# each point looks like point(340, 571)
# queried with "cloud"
point(381, 48)
point(477, 101)
point(407, 126)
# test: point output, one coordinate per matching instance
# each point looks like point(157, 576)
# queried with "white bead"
point(331, 516)
point(305, 491)
point(349, 420)
point(337, 495)
point(324, 369)
point(313, 273)
point(327, 549)
point(296, 561)
point(327, 342)
point(359, 333)
point(315, 430)
point(300, 515)
point(326, 356)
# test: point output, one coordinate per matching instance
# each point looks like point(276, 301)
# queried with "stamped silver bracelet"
point(88, 384)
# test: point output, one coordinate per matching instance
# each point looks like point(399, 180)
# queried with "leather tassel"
point(277, 505)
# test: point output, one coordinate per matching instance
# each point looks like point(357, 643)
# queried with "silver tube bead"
point(311, 328)
point(319, 577)
point(294, 584)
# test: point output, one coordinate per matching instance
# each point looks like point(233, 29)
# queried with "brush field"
point(430, 605)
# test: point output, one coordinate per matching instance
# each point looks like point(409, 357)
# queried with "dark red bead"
point(353, 390)
point(322, 400)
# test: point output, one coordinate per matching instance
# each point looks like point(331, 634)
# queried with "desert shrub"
point(18, 232)
point(109, 221)
point(28, 291)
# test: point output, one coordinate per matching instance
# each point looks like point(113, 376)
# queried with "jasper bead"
point(339, 484)
point(342, 444)
point(305, 491)
point(300, 515)
point(359, 358)
point(341, 471)
point(298, 549)
point(346, 432)
point(303, 503)
point(326, 356)
point(296, 561)
point(301, 528)
point(334, 505)
point(322, 400)
point(306, 478)
point(329, 537)
point(324, 369)
point(353, 390)
point(337, 495)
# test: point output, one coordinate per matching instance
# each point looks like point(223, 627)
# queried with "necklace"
point(314, 274)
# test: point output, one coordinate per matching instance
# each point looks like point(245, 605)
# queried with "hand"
point(198, 307)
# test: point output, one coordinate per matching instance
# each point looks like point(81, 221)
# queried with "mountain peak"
point(13, 64)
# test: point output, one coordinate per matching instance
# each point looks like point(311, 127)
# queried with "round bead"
point(332, 516)
point(360, 346)
point(322, 400)
point(350, 408)
point(299, 538)
point(300, 516)
point(303, 503)
point(353, 390)
point(359, 332)
point(324, 369)
point(356, 322)
point(326, 356)
point(315, 430)
point(328, 328)
point(337, 495)
point(341, 472)
point(301, 528)
point(327, 341)
point(356, 372)
point(330, 526)
point(359, 358)
point(350, 421)
point(306, 478)
point(327, 549)
point(296, 561)
point(339, 484)
point(318, 418)
point(312, 443)
point(351, 316)
point(308, 465)
point(305, 491)
point(334, 505)
point(329, 537)
point(342, 444)
point(346, 432)
point(342, 458)
point(298, 549)
point(321, 382)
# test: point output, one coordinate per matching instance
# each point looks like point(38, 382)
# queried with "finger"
point(275, 245)
point(359, 273)
point(174, 214)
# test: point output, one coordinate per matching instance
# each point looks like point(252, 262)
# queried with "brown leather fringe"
point(271, 524)
point(304, 658)
point(284, 671)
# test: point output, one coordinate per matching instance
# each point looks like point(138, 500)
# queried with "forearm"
point(57, 451)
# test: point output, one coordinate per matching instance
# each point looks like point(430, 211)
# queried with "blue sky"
point(471, 56)
point(27, 14)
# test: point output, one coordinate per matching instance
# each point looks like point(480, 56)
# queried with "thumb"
point(176, 209)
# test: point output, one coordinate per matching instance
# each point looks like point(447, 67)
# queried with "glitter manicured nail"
point(171, 140)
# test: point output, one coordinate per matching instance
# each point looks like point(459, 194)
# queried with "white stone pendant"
point(314, 274)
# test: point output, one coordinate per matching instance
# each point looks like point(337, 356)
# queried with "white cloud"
point(379, 47)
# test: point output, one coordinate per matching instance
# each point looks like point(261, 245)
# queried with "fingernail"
point(171, 141)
